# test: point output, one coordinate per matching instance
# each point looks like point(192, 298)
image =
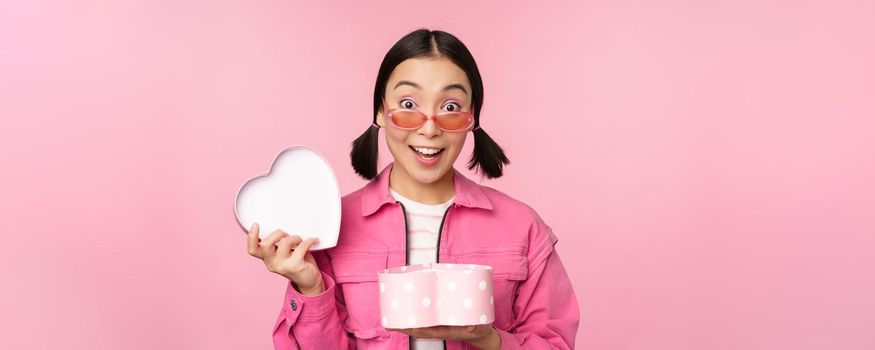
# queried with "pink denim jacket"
point(535, 306)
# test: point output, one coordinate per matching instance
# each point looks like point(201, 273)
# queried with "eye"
point(408, 103)
point(452, 107)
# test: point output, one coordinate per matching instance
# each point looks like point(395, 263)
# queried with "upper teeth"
point(424, 150)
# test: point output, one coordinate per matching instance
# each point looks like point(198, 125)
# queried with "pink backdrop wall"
point(707, 166)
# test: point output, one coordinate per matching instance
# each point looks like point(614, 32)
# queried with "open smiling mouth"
point(427, 153)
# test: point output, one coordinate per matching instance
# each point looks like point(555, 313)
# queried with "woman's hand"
point(483, 336)
point(288, 256)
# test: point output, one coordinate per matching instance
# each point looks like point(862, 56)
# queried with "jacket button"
point(294, 305)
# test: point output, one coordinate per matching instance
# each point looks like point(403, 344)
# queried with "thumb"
point(310, 258)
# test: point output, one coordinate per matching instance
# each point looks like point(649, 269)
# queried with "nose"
point(429, 129)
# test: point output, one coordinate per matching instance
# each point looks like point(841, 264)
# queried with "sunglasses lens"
point(453, 121)
point(414, 120)
point(407, 119)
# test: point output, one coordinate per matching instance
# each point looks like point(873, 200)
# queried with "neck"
point(436, 192)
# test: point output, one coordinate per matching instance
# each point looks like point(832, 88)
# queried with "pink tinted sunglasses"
point(411, 119)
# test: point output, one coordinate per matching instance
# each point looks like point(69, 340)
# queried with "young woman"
point(420, 209)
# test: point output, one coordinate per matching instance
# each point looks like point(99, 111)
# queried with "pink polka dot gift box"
point(427, 295)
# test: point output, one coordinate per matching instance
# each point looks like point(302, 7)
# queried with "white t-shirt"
point(423, 224)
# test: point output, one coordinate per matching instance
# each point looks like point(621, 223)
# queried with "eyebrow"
point(449, 87)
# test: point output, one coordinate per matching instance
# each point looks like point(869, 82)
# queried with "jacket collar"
point(376, 194)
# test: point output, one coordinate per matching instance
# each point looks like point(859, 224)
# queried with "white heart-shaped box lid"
point(299, 195)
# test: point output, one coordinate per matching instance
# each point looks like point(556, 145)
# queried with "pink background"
point(708, 167)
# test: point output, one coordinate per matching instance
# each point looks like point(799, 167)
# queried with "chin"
point(425, 176)
point(428, 178)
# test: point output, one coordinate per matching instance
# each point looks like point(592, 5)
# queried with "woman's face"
point(432, 86)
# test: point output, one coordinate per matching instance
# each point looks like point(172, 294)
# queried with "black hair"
point(487, 155)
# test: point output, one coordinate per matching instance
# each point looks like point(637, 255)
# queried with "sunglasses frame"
point(427, 117)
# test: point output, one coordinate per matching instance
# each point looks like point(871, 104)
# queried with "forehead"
point(432, 74)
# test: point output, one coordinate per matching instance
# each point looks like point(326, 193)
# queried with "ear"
point(381, 120)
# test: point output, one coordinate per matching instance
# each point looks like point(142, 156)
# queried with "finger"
point(422, 333)
point(432, 332)
point(301, 249)
point(268, 244)
point(458, 332)
point(252, 239)
point(436, 333)
point(439, 332)
point(400, 330)
point(310, 258)
point(463, 332)
point(284, 246)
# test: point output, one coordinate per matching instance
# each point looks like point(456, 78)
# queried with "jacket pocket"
point(509, 268)
point(507, 263)
point(356, 275)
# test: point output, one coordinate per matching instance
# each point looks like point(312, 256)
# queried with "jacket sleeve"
point(546, 309)
point(313, 322)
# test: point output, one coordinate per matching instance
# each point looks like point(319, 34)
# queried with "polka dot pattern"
point(433, 294)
